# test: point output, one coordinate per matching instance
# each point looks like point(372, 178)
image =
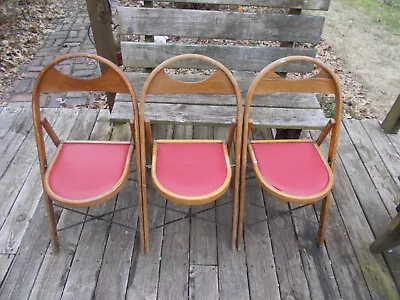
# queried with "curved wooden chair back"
point(221, 82)
point(324, 81)
point(268, 81)
point(51, 80)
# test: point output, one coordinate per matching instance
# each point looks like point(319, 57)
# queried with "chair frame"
point(51, 80)
point(221, 82)
point(267, 81)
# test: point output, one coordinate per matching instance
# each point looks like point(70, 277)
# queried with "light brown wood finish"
point(221, 82)
point(267, 81)
point(51, 80)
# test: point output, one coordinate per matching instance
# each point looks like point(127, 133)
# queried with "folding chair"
point(191, 172)
point(293, 170)
point(82, 173)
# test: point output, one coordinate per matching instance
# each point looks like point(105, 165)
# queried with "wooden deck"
point(192, 258)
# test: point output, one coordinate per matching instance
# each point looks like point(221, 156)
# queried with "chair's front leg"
point(51, 223)
point(323, 219)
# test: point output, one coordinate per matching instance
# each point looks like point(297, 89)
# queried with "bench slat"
point(242, 58)
point(218, 115)
point(300, 4)
point(286, 100)
point(220, 24)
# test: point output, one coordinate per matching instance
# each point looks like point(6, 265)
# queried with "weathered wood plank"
point(55, 269)
point(203, 234)
point(220, 24)
point(30, 193)
point(114, 273)
point(373, 267)
point(386, 147)
point(244, 79)
point(23, 160)
point(8, 117)
point(346, 275)
point(263, 279)
point(316, 262)
point(347, 271)
point(175, 248)
point(290, 269)
point(218, 115)
point(233, 281)
point(83, 274)
point(301, 4)
point(5, 263)
point(373, 207)
point(13, 139)
point(144, 274)
point(203, 282)
point(241, 58)
point(36, 240)
point(384, 183)
point(21, 276)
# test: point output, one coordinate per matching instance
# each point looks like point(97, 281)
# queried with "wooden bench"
point(279, 29)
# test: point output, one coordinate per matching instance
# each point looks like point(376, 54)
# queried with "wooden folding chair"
point(191, 172)
point(82, 173)
point(293, 170)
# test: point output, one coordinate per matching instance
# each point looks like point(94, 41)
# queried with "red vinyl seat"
point(80, 171)
point(295, 168)
point(191, 169)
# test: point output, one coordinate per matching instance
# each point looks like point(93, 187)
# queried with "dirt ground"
point(369, 53)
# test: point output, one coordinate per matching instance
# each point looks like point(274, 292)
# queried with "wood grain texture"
point(220, 24)
point(26, 202)
point(286, 100)
point(5, 263)
point(7, 119)
point(174, 267)
point(241, 58)
point(203, 282)
point(386, 146)
point(373, 267)
point(383, 181)
point(83, 274)
point(55, 269)
point(218, 115)
point(203, 234)
point(262, 272)
point(301, 4)
point(144, 274)
point(233, 281)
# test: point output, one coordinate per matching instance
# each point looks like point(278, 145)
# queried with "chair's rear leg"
point(52, 224)
point(323, 219)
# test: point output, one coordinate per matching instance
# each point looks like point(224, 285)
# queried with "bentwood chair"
point(294, 171)
point(191, 172)
point(82, 173)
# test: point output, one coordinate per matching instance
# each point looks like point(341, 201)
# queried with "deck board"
point(193, 259)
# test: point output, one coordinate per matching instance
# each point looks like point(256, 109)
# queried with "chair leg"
point(235, 213)
point(323, 220)
point(52, 224)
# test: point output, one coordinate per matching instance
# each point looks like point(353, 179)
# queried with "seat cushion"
point(85, 170)
point(191, 169)
point(295, 168)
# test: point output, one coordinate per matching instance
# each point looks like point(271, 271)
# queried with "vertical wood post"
point(148, 38)
point(391, 124)
point(288, 133)
point(100, 20)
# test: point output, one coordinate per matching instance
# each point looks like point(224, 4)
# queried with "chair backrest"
point(221, 82)
point(278, 23)
point(50, 80)
point(324, 81)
